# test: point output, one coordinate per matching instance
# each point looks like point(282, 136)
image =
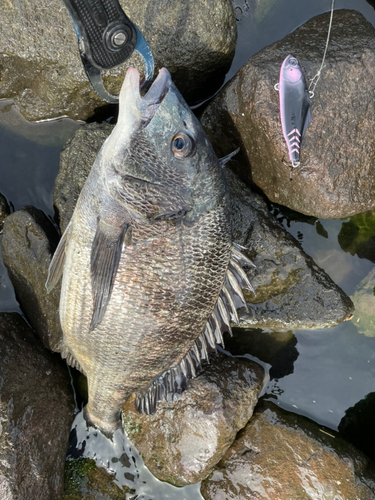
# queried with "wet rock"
point(282, 456)
point(4, 211)
point(36, 412)
point(357, 236)
point(278, 349)
point(357, 426)
point(337, 167)
point(28, 243)
point(42, 71)
point(83, 479)
point(364, 302)
point(292, 291)
point(184, 439)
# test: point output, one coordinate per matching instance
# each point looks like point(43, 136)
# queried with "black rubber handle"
point(108, 35)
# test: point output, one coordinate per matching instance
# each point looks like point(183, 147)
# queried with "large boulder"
point(292, 292)
point(337, 172)
point(283, 456)
point(36, 412)
point(364, 301)
point(184, 439)
point(41, 69)
point(28, 243)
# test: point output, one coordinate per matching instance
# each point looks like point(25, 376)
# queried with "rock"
point(83, 479)
point(357, 236)
point(364, 302)
point(183, 440)
point(357, 425)
point(283, 456)
point(28, 243)
point(42, 71)
point(36, 412)
point(292, 291)
point(337, 167)
point(278, 349)
point(4, 211)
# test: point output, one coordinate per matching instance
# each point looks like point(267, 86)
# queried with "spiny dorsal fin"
point(223, 161)
point(175, 380)
point(56, 266)
point(105, 258)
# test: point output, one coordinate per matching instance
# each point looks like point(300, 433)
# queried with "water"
point(334, 368)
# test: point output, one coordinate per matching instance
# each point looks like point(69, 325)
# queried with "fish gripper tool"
point(106, 39)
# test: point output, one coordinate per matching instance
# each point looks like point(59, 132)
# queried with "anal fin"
point(71, 361)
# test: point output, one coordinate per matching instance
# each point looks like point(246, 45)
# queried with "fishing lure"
point(294, 106)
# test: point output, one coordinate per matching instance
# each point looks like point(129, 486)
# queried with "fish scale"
point(147, 255)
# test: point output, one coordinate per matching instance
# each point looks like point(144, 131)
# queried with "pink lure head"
point(290, 70)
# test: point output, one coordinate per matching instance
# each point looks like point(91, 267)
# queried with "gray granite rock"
point(185, 438)
point(42, 71)
point(36, 412)
point(28, 243)
point(283, 456)
point(337, 169)
point(292, 292)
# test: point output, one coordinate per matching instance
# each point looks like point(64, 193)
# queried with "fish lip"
point(150, 102)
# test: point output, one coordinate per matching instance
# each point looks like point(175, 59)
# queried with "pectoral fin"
point(105, 258)
point(223, 161)
point(56, 266)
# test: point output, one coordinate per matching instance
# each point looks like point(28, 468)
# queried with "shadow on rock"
point(278, 349)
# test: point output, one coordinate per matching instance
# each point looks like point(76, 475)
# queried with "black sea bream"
point(150, 276)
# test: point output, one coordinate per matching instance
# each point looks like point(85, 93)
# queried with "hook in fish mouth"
point(147, 105)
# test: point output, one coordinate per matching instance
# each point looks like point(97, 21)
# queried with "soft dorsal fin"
point(223, 161)
point(56, 266)
point(175, 380)
point(105, 258)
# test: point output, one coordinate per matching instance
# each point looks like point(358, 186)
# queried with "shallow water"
point(335, 368)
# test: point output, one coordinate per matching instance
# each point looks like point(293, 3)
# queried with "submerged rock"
point(357, 235)
point(282, 456)
point(36, 412)
point(292, 291)
point(85, 480)
point(42, 71)
point(28, 243)
point(337, 169)
point(185, 438)
point(364, 302)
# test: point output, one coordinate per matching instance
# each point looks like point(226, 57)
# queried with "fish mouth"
point(147, 105)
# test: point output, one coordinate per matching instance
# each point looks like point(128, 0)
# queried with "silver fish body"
point(146, 256)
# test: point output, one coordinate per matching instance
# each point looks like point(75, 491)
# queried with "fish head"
point(291, 71)
point(158, 160)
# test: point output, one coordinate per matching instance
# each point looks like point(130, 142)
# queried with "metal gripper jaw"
point(106, 39)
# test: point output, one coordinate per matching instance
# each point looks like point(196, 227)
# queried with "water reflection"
point(120, 459)
point(357, 426)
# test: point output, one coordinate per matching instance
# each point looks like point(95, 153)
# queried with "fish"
point(150, 277)
point(295, 111)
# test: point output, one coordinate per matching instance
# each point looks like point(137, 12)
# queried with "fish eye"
point(293, 61)
point(183, 145)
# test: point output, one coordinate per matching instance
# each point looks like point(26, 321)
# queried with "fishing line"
point(317, 76)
